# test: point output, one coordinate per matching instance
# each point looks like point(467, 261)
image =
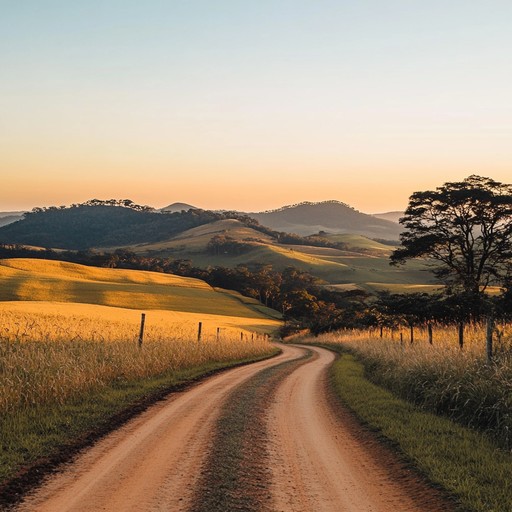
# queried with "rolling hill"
point(10, 217)
point(56, 282)
point(342, 259)
point(178, 207)
point(358, 262)
point(329, 216)
point(392, 216)
point(99, 225)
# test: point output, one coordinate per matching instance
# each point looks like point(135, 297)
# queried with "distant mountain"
point(329, 216)
point(9, 217)
point(178, 207)
point(392, 216)
point(99, 224)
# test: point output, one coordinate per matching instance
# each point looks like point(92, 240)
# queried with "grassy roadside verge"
point(35, 441)
point(460, 460)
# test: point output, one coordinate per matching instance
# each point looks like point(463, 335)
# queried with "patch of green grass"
point(460, 460)
point(33, 436)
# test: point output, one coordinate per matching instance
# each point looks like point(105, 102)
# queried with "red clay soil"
point(152, 462)
point(321, 460)
point(316, 459)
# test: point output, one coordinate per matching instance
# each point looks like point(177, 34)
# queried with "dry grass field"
point(363, 262)
point(440, 377)
point(56, 281)
point(53, 352)
point(69, 353)
point(67, 328)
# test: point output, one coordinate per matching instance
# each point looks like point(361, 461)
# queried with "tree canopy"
point(465, 229)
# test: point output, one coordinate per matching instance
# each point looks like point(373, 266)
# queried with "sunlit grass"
point(25, 279)
point(460, 384)
point(456, 458)
point(66, 369)
point(50, 352)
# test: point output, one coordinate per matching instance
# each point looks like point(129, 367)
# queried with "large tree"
point(465, 229)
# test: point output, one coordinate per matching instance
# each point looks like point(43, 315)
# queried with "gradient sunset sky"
point(251, 104)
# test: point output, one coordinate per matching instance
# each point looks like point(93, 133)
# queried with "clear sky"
point(251, 104)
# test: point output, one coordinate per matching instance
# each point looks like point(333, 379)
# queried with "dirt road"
point(317, 462)
point(157, 461)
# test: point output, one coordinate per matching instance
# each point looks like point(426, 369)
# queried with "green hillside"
point(361, 262)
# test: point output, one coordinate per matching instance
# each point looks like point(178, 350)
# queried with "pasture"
point(57, 281)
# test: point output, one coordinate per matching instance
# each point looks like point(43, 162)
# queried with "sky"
point(251, 105)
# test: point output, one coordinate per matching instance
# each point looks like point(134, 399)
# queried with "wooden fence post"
point(241, 336)
point(199, 329)
point(461, 335)
point(488, 340)
point(141, 332)
point(430, 334)
point(218, 333)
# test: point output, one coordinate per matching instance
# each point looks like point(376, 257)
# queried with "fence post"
point(241, 336)
point(430, 333)
point(199, 329)
point(218, 333)
point(141, 332)
point(488, 340)
point(461, 334)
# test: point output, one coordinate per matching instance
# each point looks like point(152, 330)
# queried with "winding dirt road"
point(317, 463)
point(154, 462)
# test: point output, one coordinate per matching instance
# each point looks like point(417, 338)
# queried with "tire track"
point(319, 463)
point(236, 474)
point(152, 463)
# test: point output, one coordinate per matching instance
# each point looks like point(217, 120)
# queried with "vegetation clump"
point(439, 377)
point(458, 459)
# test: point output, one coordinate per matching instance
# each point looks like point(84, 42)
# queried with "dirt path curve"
point(153, 462)
point(317, 463)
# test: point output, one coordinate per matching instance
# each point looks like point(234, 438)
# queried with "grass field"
point(463, 462)
point(440, 377)
point(57, 281)
point(69, 353)
point(195, 240)
point(363, 262)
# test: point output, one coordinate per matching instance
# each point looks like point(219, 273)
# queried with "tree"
point(465, 228)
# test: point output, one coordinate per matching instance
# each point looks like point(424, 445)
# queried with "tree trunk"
point(381, 329)
point(412, 333)
point(461, 335)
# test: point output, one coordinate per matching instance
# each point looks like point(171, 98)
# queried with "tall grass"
point(50, 358)
point(68, 370)
point(440, 377)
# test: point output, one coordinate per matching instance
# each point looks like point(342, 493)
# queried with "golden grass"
point(440, 377)
point(51, 352)
point(196, 239)
point(57, 281)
